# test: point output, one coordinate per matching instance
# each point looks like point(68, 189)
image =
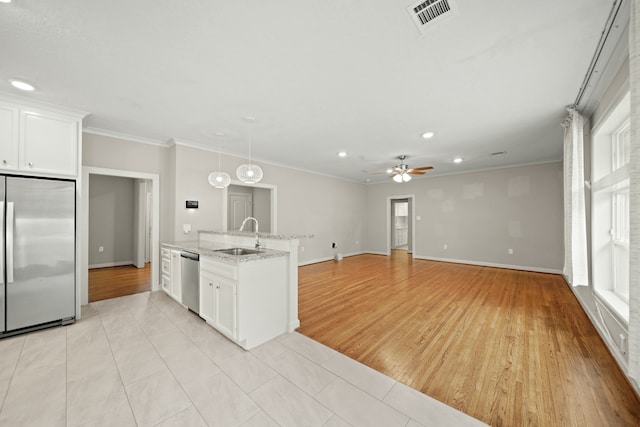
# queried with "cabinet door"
point(48, 143)
point(8, 137)
point(176, 283)
point(207, 296)
point(225, 307)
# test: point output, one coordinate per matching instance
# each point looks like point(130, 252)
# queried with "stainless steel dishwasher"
point(190, 280)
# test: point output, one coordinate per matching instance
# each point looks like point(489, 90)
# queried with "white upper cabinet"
point(48, 143)
point(9, 117)
point(39, 141)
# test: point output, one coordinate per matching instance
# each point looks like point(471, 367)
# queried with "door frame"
point(155, 227)
point(412, 221)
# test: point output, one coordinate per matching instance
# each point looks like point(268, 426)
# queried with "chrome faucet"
point(257, 232)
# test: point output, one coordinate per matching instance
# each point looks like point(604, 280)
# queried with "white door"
point(240, 207)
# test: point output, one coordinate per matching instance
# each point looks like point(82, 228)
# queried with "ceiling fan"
point(402, 173)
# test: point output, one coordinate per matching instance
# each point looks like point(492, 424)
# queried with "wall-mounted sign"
point(192, 204)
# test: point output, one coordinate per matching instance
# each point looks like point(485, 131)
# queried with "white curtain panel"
point(575, 225)
point(634, 237)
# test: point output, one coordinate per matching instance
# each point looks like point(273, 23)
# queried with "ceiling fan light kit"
point(401, 173)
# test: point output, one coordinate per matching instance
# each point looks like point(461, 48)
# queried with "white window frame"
point(610, 225)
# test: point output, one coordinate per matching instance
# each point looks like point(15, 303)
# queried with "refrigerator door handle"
point(9, 242)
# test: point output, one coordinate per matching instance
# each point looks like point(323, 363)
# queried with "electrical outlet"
point(445, 246)
point(623, 344)
point(510, 251)
point(100, 248)
point(357, 242)
point(301, 248)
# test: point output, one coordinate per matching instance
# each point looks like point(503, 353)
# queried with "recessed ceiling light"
point(5, 1)
point(342, 154)
point(19, 84)
point(428, 135)
point(457, 160)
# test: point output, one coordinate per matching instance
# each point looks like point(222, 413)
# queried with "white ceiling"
point(319, 76)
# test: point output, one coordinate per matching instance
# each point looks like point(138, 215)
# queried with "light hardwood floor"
point(112, 282)
point(508, 347)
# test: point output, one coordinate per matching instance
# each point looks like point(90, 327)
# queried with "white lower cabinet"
point(165, 260)
point(170, 264)
point(176, 282)
point(218, 302)
point(245, 301)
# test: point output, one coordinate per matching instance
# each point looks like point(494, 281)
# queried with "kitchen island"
point(281, 242)
point(249, 295)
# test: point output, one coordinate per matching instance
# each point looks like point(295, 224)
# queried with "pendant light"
point(248, 172)
point(218, 178)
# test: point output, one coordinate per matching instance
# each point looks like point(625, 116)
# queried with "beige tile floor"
point(143, 360)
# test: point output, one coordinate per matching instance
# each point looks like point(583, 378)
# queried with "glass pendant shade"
point(219, 179)
point(397, 178)
point(406, 177)
point(249, 173)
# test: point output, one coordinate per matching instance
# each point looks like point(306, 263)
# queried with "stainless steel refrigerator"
point(37, 253)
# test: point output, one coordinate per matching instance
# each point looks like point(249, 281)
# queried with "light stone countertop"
point(262, 235)
point(208, 249)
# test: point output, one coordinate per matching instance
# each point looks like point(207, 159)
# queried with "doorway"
point(400, 223)
point(242, 200)
point(146, 191)
point(118, 236)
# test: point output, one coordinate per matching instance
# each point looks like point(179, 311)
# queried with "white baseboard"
point(110, 264)
point(317, 260)
point(376, 253)
point(491, 264)
point(606, 337)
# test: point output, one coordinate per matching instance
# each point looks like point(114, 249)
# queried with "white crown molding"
point(125, 136)
point(206, 147)
point(29, 102)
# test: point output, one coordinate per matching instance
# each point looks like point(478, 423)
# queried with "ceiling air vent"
point(426, 12)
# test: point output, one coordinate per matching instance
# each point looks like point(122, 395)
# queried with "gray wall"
point(480, 215)
point(331, 209)
point(111, 215)
point(112, 153)
point(262, 208)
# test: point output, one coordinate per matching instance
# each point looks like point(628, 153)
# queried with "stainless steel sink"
point(238, 251)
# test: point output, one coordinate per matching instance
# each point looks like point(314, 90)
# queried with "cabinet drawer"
point(219, 268)
point(165, 252)
point(166, 266)
point(166, 283)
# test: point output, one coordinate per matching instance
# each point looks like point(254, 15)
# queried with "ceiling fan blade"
point(424, 168)
point(415, 172)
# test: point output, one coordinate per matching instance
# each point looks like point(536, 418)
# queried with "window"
point(610, 208)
